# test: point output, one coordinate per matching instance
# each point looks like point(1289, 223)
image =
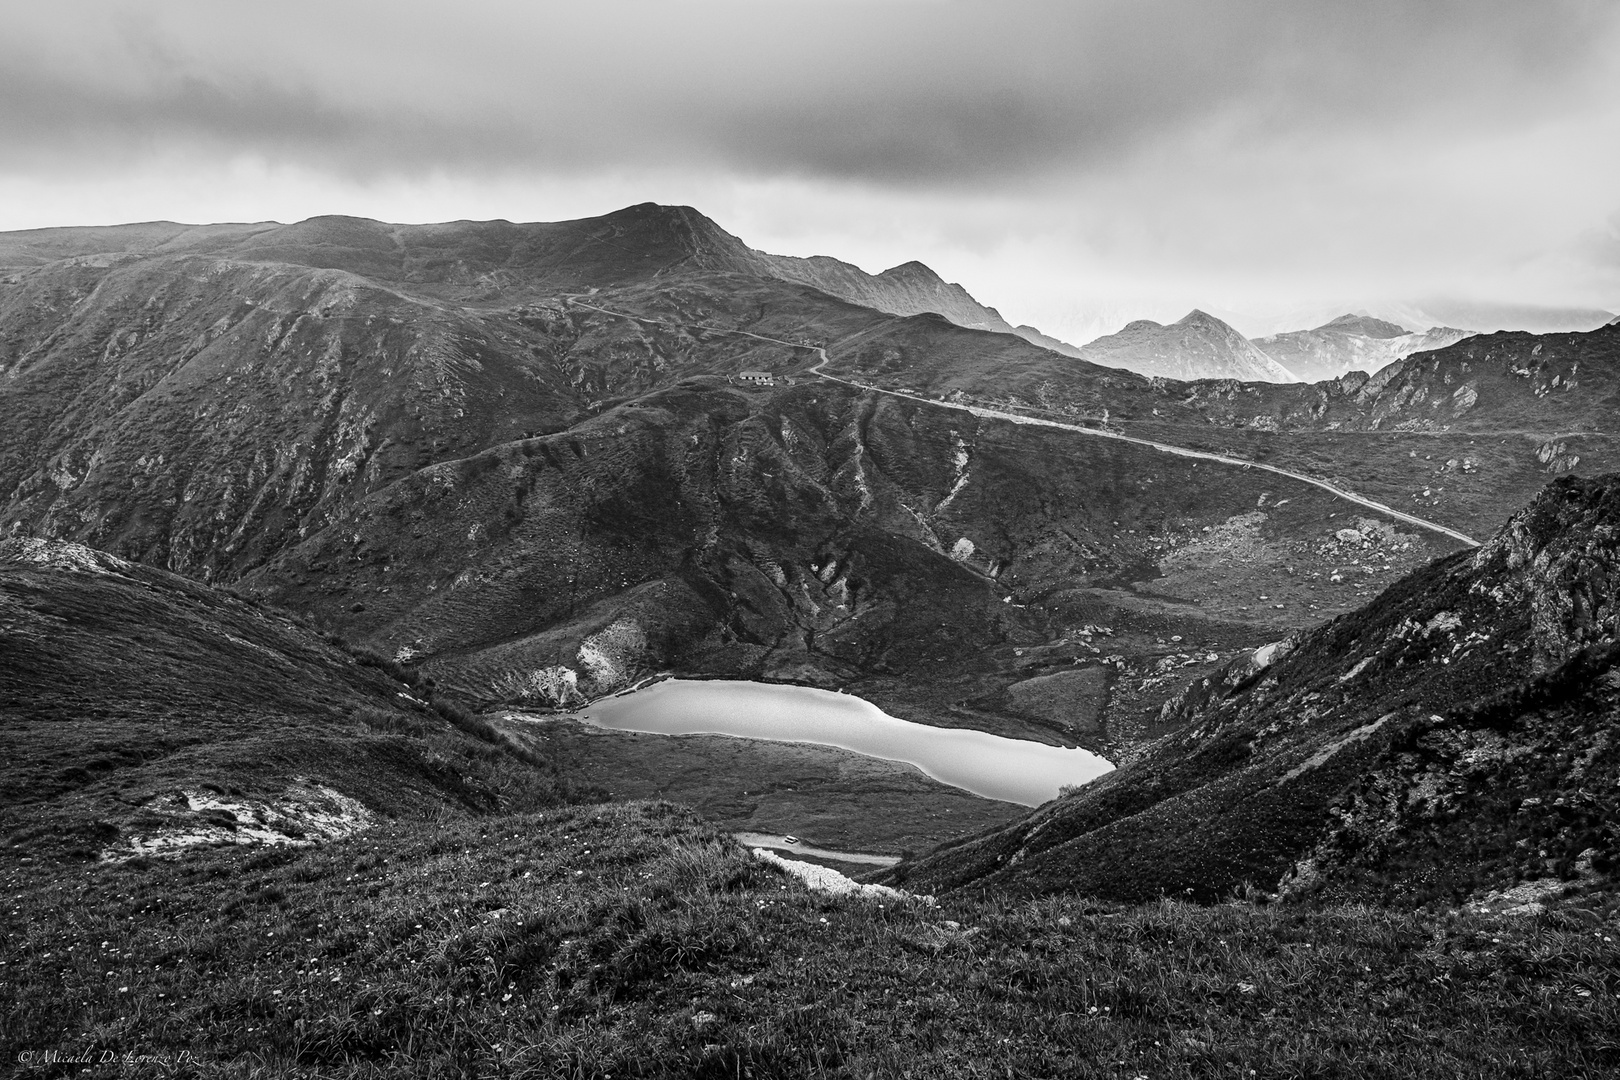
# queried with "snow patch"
point(823, 879)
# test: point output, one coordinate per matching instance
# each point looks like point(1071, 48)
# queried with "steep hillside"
point(1453, 738)
point(1198, 346)
point(1351, 343)
point(144, 714)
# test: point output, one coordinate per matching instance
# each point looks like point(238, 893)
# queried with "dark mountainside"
point(1351, 343)
point(1198, 346)
point(1453, 740)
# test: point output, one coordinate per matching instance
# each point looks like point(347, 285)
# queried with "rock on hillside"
point(144, 713)
point(1198, 346)
point(1456, 737)
point(1351, 343)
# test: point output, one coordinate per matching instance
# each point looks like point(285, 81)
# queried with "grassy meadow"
point(633, 940)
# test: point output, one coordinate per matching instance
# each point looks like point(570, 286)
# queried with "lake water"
point(1013, 770)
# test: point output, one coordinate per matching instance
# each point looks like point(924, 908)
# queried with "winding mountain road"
point(1019, 418)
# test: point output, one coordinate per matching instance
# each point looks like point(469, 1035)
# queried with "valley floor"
point(633, 940)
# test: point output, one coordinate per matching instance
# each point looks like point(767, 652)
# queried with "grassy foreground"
point(633, 940)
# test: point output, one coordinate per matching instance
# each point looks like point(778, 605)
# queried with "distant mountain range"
point(501, 255)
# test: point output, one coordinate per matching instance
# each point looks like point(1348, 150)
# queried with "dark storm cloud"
point(917, 92)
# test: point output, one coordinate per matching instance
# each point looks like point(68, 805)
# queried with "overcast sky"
point(1074, 163)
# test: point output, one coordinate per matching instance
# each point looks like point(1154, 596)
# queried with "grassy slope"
point(630, 940)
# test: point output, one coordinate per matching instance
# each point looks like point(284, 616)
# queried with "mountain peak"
point(1366, 325)
point(1201, 319)
point(912, 270)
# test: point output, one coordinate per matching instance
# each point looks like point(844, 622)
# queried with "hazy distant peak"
point(1352, 343)
point(1196, 346)
point(1366, 325)
point(1202, 321)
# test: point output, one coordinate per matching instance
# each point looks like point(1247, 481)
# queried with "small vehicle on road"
point(790, 839)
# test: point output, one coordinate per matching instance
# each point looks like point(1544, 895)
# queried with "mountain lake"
point(1012, 770)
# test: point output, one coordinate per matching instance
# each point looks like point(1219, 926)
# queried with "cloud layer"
point(1193, 144)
